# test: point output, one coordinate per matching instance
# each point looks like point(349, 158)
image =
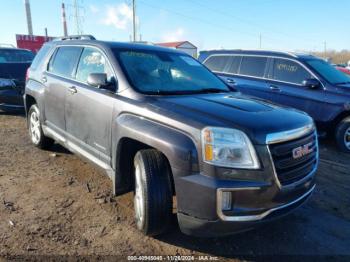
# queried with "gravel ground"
point(54, 204)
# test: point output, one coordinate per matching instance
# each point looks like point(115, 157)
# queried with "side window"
point(216, 63)
point(64, 61)
point(253, 66)
point(289, 71)
point(234, 62)
point(92, 61)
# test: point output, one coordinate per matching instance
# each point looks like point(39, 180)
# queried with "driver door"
point(89, 109)
point(285, 82)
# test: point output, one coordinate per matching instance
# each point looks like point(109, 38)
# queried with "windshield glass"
point(331, 74)
point(15, 56)
point(159, 72)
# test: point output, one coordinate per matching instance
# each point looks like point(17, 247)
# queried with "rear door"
point(286, 77)
point(89, 109)
point(57, 79)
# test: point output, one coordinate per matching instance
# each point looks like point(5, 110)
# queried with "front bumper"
point(237, 224)
point(256, 198)
point(253, 205)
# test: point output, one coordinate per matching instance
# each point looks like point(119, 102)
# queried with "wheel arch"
point(132, 133)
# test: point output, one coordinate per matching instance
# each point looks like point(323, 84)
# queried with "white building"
point(184, 46)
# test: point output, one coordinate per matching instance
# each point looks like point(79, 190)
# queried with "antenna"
point(77, 16)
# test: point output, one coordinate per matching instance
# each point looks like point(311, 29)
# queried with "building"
point(184, 46)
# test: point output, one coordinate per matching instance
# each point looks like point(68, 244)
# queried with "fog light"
point(226, 200)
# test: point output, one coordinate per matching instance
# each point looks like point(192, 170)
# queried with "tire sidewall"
point(35, 109)
point(340, 134)
point(139, 163)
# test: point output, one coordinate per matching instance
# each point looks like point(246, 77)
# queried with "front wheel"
point(153, 192)
point(342, 135)
point(35, 131)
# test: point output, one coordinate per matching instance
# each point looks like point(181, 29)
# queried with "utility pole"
point(64, 21)
point(260, 40)
point(134, 19)
point(29, 17)
point(325, 49)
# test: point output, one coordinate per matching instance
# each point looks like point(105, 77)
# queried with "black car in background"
point(14, 63)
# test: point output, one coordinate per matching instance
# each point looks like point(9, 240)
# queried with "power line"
point(242, 20)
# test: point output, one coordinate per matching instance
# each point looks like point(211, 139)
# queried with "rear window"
point(253, 66)
point(39, 56)
point(64, 61)
point(216, 63)
point(15, 56)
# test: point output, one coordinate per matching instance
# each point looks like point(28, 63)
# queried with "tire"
point(342, 135)
point(36, 133)
point(153, 192)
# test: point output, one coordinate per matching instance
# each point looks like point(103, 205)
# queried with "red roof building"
point(184, 46)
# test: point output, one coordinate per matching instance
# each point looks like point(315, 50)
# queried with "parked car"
point(14, 63)
point(301, 81)
point(162, 125)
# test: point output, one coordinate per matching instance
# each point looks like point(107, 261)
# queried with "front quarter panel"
point(179, 148)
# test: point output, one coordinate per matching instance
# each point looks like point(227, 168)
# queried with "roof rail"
point(75, 37)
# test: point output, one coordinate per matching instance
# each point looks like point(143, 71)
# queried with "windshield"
point(15, 56)
point(161, 72)
point(331, 74)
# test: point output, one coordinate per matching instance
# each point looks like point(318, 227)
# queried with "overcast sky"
point(283, 24)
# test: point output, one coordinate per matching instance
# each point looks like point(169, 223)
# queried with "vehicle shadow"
point(57, 148)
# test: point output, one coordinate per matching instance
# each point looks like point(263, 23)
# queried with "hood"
point(255, 117)
point(14, 71)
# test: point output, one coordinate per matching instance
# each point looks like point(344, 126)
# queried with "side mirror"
point(311, 83)
point(98, 80)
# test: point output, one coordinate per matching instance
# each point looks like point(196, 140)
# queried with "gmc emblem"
point(302, 151)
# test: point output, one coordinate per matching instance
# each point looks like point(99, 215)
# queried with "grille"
point(288, 168)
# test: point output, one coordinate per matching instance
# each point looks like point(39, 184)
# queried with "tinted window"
point(15, 56)
point(92, 61)
point(40, 56)
point(253, 66)
point(64, 61)
point(234, 62)
point(156, 72)
point(216, 63)
point(289, 71)
point(331, 74)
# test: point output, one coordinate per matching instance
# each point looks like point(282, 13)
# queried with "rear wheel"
point(35, 131)
point(153, 192)
point(343, 135)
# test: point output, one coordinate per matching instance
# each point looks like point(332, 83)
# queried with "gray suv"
point(165, 127)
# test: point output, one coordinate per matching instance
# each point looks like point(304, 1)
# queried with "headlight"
point(227, 147)
point(6, 82)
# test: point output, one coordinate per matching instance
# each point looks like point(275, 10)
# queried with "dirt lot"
point(53, 203)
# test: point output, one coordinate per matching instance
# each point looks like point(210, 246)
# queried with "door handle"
point(72, 90)
point(44, 79)
point(230, 81)
point(275, 88)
